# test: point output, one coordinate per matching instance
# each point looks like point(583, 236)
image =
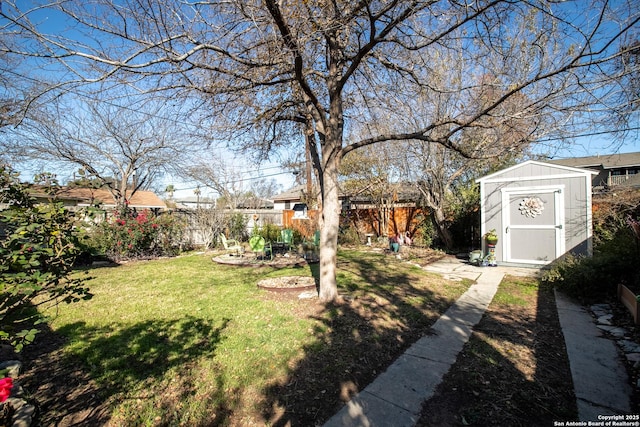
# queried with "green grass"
point(187, 341)
point(513, 290)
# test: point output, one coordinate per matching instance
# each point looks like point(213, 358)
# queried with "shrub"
point(171, 234)
point(270, 232)
point(238, 227)
point(614, 259)
point(130, 235)
point(349, 235)
point(425, 233)
point(38, 248)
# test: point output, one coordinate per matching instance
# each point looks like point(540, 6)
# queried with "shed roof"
point(535, 162)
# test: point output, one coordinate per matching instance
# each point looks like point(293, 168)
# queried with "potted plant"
point(491, 237)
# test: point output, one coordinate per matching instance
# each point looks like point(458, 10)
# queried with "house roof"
point(293, 194)
point(403, 192)
point(141, 199)
point(608, 161)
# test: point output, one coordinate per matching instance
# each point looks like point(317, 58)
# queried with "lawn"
point(186, 341)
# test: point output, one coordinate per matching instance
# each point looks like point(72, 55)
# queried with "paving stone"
point(599, 377)
point(629, 346)
point(605, 320)
point(615, 331)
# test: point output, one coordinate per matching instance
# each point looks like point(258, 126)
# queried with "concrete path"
point(599, 378)
point(395, 398)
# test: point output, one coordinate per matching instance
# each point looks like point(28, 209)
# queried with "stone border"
point(311, 286)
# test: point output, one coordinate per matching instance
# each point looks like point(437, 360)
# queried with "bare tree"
point(269, 68)
point(372, 173)
point(232, 183)
point(122, 147)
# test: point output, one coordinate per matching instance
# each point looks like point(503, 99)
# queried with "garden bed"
point(288, 284)
point(250, 260)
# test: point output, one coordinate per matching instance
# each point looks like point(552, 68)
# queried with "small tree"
point(210, 222)
point(38, 248)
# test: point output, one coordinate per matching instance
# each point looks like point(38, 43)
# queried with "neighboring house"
point(613, 169)
point(288, 199)
point(194, 202)
point(75, 198)
point(398, 214)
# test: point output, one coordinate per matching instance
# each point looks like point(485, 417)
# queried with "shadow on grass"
point(135, 354)
point(513, 371)
point(383, 314)
point(125, 354)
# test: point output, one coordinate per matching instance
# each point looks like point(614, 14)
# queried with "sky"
point(185, 189)
point(585, 146)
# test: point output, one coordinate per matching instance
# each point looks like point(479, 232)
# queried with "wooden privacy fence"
point(630, 301)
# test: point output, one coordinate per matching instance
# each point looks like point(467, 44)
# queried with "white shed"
point(540, 211)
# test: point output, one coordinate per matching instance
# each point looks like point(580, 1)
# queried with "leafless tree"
point(123, 147)
point(269, 68)
point(372, 173)
point(237, 186)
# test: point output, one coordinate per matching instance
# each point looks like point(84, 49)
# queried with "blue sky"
point(585, 146)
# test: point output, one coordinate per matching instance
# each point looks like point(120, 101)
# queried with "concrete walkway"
point(599, 378)
point(395, 398)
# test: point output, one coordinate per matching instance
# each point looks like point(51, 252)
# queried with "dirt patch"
point(65, 394)
point(513, 371)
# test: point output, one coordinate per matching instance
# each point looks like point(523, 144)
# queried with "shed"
point(540, 211)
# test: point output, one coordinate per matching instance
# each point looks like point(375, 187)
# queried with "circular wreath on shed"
point(531, 207)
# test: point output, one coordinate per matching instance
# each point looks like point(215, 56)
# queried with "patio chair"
point(259, 246)
point(231, 245)
point(287, 238)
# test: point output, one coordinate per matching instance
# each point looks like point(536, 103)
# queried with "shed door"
point(534, 224)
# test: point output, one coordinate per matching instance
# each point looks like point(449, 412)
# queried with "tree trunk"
point(329, 225)
point(437, 217)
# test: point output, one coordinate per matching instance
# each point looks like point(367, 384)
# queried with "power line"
point(239, 180)
point(604, 132)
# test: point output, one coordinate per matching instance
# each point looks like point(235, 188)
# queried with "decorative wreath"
point(531, 207)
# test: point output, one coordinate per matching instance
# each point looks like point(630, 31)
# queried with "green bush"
point(237, 226)
point(596, 278)
point(349, 235)
point(38, 248)
point(270, 232)
point(425, 233)
point(171, 232)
